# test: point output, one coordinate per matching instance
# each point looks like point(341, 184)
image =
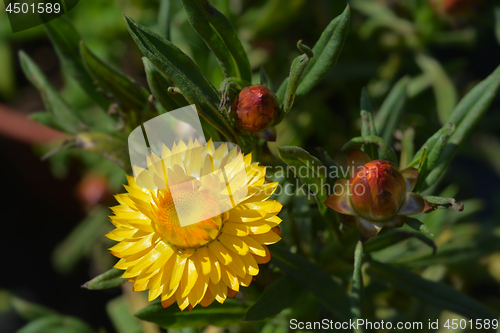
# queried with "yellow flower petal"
point(203, 261)
point(220, 252)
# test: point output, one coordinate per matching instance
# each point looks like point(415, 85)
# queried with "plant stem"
point(356, 295)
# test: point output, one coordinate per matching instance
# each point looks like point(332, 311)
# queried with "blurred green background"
point(444, 46)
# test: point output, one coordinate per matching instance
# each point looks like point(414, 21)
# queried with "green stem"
point(356, 295)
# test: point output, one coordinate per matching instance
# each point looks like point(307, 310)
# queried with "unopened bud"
point(256, 108)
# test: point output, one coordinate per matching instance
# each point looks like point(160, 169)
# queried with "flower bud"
point(256, 108)
point(377, 195)
point(377, 190)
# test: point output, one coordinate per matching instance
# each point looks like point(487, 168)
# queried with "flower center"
point(189, 204)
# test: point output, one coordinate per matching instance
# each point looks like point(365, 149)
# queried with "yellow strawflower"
point(199, 262)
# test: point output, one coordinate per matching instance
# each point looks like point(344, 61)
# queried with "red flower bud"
point(377, 195)
point(378, 190)
point(256, 108)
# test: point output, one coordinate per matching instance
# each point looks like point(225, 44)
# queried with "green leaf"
point(56, 324)
point(386, 151)
point(121, 317)
point(215, 314)
point(419, 226)
point(164, 18)
point(46, 119)
point(67, 254)
point(407, 148)
point(445, 203)
point(327, 51)
point(466, 116)
point(66, 41)
point(106, 280)
point(54, 103)
point(356, 295)
point(496, 10)
point(298, 66)
point(300, 160)
point(392, 237)
point(437, 294)
point(422, 170)
point(327, 291)
point(128, 94)
point(220, 36)
point(159, 84)
point(110, 147)
point(439, 137)
point(184, 73)
point(264, 79)
point(280, 295)
point(444, 90)
point(458, 253)
point(31, 311)
point(280, 94)
point(367, 123)
point(387, 118)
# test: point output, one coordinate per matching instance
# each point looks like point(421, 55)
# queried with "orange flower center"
point(189, 202)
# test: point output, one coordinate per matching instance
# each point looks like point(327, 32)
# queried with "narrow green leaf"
point(327, 291)
point(31, 311)
point(56, 324)
point(386, 151)
point(264, 79)
point(164, 18)
point(393, 237)
point(367, 123)
point(477, 99)
point(435, 153)
point(407, 148)
point(434, 293)
point(330, 164)
point(419, 226)
point(184, 73)
point(220, 36)
point(280, 295)
point(128, 94)
point(66, 41)
point(440, 136)
point(216, 314)
point(387, 118)
point(280, 94)
point(54, 103)
point(327, 50)
point(109, 279)
point(422, 170)
point(113, 148)
point(457, 253)
point(496, 10)
point(67, 254)
point(444, 90)
point(45, 118)
point(445, 203)
point(466, 116)
point(309, 169)
point(121, 317)
point(159, 84)
point(356, 295)
point(298, 66)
